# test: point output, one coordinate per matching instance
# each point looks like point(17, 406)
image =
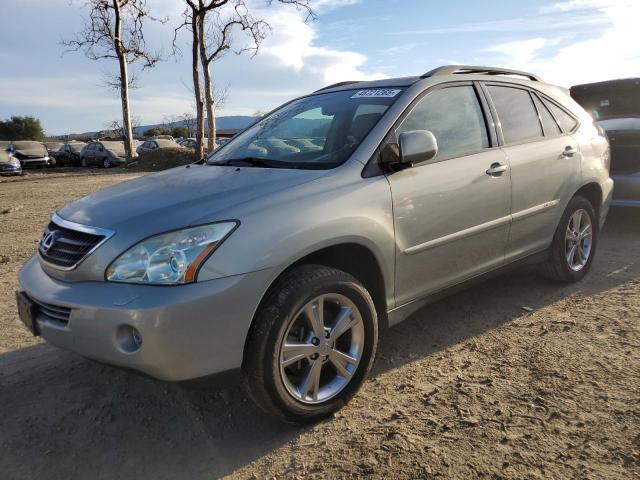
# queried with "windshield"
point(115, 147)
point(320, 131)
point(76, 147)
point(28, 145)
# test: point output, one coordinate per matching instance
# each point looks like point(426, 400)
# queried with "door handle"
point(569, 151)
point(496, 169)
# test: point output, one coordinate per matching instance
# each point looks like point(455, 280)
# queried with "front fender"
point(293, 224)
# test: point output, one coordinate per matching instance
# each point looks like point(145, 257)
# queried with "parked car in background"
point(105, 154)
point(189, 143)
point(30, 153)
point(162, 137)
point(69, 154)
point(615, 105)
point(220, 141)
point(155, 144)
point(9, 165)
point(52, 149)
point(283, 270)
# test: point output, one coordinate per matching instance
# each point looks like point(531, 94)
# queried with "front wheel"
point(311, 344)
point(574, 243)
point(106, 163)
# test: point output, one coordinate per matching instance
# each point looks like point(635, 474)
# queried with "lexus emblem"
point(49, 240)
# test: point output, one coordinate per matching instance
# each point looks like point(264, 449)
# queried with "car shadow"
point(66, 417)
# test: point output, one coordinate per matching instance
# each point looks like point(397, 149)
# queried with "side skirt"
point(402, 312)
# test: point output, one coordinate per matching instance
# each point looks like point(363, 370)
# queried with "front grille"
point(54, 314)
point(65, 248)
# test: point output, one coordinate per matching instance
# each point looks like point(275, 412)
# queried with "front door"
point(452, 214)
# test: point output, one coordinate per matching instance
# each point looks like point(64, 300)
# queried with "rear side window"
point(517, 115)
point(566, 121)
point(454, 116)
point(551, 127)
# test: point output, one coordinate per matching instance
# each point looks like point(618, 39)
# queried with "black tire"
point(556, 267)
point(261, 364)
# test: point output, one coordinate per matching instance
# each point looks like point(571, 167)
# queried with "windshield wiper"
point(253, 162)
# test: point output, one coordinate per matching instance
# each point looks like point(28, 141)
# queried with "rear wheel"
point(311, 345)
point(574, 243)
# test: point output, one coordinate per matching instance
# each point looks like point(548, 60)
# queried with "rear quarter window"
point(566, 121)
point(549, 123)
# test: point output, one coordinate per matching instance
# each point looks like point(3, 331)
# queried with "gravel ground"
point(514, 378)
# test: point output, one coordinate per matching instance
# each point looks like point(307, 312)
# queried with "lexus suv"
point(282, 266)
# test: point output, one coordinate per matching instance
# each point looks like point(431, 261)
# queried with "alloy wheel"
point(322, 348)
point(578, 240)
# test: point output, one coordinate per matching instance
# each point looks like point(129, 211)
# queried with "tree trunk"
point(208, 87)
point(124, 86)
point(197, 89)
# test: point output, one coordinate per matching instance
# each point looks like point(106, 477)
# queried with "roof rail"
point(339, 84)
point(462, 69)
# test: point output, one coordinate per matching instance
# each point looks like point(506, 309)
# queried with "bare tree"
point(216, 39)
point(117, 130)
point(189, 121)
point(114, 30)
point(169, 121)
point(212, 39)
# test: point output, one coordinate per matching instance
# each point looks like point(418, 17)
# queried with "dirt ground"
point(474, 386)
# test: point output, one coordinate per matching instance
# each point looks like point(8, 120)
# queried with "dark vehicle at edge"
point(69, 154)
point(615, 106)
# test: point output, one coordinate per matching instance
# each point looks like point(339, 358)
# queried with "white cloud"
point(520, 51)
point(292, 43)
point(613, 53)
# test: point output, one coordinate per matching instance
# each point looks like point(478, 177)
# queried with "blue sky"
point(565, 41)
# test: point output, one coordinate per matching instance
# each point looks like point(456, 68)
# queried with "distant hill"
point(233, 122)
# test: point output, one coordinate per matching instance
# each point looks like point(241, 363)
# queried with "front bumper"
point(10, 169)
point(627, 190)
point(34, 161)
point(188, 331)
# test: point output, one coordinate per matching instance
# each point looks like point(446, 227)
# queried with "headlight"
point(15, 162)
point(169, 258)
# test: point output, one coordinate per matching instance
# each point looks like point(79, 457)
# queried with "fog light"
point(128, 339)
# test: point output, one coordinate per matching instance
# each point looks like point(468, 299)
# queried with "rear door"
point(452, 214)
point(89, 153)
point(545, 166)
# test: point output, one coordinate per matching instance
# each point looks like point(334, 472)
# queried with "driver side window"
point(454, 116)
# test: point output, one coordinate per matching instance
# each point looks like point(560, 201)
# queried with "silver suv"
point(284, 253)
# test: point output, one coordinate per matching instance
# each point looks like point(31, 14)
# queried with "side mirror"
point(416, 147)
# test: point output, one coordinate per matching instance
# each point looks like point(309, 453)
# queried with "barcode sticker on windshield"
point(377, 93)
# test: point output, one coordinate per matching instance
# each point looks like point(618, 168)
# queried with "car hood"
point(32, 152)
point(180, 197)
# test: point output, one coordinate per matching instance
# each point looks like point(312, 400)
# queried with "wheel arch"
point(592, 192)
point(351, 257)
